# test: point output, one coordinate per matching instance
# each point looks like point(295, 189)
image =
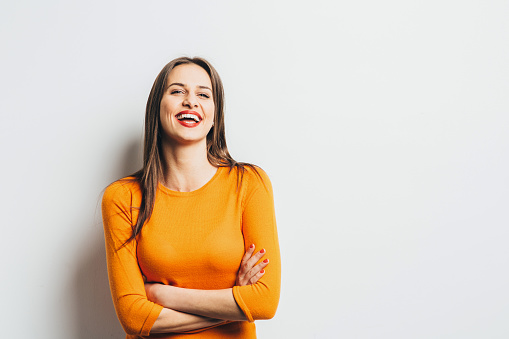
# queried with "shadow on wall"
point(95, 313)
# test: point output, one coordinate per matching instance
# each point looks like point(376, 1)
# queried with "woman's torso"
point(194, 240)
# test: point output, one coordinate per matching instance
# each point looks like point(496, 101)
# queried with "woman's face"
point(187, 106)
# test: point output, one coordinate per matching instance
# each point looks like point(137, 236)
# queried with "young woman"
point(191, 240)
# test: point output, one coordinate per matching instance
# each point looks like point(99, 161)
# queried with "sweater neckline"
point(168, 191)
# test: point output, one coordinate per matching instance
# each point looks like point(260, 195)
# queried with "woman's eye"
point(176, 91)
point(204, 95)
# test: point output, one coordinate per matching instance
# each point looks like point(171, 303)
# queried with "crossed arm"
point(191, 309)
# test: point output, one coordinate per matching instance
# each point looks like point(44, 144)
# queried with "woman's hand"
point(249, 273)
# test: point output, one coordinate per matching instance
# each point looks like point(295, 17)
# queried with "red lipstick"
point(189, 118)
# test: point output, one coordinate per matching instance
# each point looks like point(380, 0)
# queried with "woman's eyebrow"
point(183, 85)
point(177, 84)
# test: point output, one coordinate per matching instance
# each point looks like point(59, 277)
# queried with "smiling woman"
point(186, 235)
point(188, 102)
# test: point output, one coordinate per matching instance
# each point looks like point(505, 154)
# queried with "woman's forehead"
point(189, 75)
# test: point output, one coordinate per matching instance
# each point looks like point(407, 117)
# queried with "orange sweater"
point(193, 240)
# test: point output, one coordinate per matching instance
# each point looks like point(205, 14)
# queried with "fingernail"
point(252, 246)
point(263, 250)
point(262, 271)
point(266, 261)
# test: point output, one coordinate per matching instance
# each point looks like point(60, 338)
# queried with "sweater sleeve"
point(136, 313)
point(260, 300)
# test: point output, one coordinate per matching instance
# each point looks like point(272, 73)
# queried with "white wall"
point(383, 126)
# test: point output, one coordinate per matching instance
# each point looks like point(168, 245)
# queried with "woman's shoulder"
point(122, 189)
point(255, 172)
point(254, 177)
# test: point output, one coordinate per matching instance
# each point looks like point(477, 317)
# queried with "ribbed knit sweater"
point(192, 240)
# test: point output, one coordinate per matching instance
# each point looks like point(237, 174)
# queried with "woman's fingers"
point(257, 272)
point(254, 259)
point(244, 267)
point(247, 255)
point(249, 272)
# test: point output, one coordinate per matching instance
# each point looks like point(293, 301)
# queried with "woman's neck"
point(186, 167)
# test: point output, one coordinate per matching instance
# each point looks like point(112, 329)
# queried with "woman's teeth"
point(188, 116)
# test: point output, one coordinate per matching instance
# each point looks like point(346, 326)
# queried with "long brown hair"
point(217, 152)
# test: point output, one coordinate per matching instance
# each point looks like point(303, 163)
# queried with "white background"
point(382, 124)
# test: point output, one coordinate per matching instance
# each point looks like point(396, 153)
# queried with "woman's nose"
point(190, 101)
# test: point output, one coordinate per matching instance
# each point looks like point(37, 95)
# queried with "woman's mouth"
point(189, 118)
